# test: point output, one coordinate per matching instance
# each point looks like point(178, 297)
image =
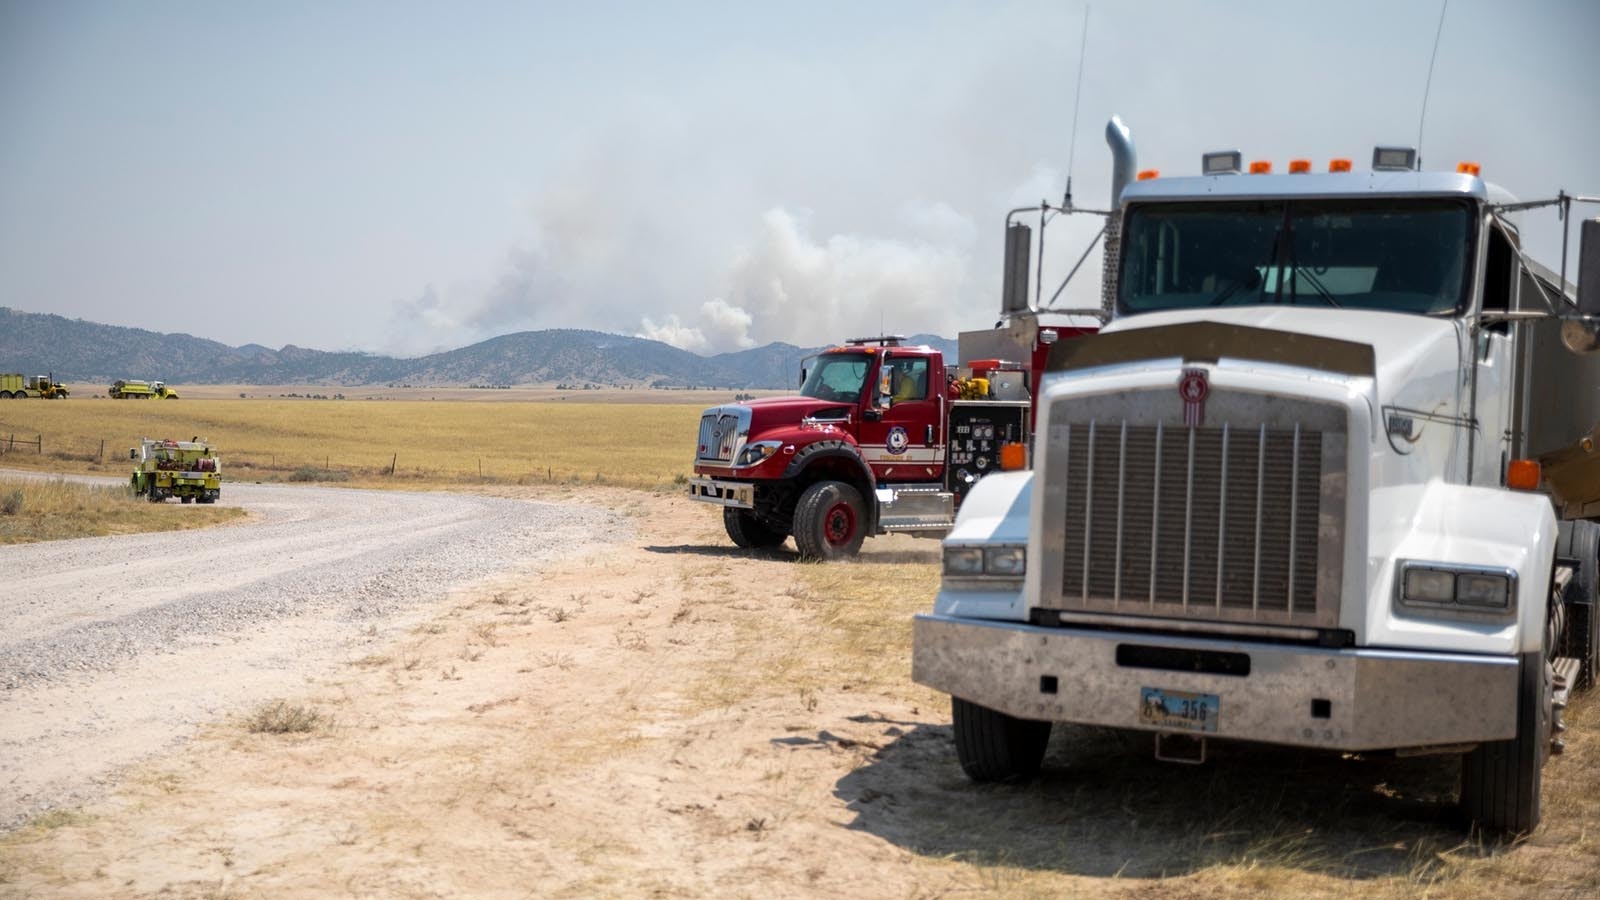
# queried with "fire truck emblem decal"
point(898, 440)
point(1193, 388)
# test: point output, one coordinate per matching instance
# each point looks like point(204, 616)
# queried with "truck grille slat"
point(1236, 539)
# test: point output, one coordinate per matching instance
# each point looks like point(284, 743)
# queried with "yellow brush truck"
point(16, 386)
point(141, 390)
point(188, 470)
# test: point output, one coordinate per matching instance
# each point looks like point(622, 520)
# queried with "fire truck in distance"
point(17, 386)
point(141, 390)
point(188, 470)
point(883, 437)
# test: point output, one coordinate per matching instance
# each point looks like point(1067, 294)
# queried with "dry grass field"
point(40, 509)
point(429, 444)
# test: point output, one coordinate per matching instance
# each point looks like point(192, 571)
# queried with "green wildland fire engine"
point(188, 470)
point(141, 390)
point(16, 386)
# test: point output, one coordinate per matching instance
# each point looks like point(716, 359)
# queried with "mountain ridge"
point(83, 351)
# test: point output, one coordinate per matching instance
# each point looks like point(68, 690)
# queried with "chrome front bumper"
point(723, 493)
point(1351, 699)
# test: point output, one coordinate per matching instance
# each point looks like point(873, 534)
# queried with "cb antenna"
point(1077, 92)
point(1427, 85)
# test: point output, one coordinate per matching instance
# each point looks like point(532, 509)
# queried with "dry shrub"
point(283, 717)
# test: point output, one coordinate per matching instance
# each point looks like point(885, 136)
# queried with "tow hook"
point(1180, 748)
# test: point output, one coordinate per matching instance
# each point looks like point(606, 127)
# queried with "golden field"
point(428, 443)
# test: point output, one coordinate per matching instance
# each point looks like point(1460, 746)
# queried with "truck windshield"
point(837, 376)
point(1398, 255)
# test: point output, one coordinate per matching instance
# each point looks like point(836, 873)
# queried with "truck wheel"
point(830, 521)
point(1501, 780)
point(747, 530)
point(993, 746)
point(1580, 540)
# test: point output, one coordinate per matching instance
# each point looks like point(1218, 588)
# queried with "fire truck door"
point(907, 442)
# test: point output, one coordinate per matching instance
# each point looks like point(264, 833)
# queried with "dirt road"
point(116, 647)
point(669, 717)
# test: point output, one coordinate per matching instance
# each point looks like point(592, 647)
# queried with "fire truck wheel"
point(993, 746)
point(829, 521)
point(1501, 780)
point(747, 531)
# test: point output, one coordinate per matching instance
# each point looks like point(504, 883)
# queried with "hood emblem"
point(1193, 386)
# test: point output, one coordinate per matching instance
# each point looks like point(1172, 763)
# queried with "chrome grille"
point(719, 436)
point(1225, 521)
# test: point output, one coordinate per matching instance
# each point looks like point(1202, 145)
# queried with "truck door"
point(902, 436)
point(1494, 364)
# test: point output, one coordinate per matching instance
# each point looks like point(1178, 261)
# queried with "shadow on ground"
point(1104, 807)
point(786, 552)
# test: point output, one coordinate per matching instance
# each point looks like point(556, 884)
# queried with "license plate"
point(1178, 710)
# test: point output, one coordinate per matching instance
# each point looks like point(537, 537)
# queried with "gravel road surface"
point(115, 648)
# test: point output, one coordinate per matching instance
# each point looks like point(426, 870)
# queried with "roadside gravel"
point(114, 648)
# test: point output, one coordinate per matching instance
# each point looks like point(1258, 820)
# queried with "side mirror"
point(133, 452)
point(888, 379)
point(1014, 287)
point(1582, 335)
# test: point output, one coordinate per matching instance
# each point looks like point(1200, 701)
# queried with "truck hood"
point(771, 412)
point(1417, 358)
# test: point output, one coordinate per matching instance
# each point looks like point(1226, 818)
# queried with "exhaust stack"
point(1124, 161)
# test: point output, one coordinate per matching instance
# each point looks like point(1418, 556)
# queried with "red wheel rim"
point(839, 525)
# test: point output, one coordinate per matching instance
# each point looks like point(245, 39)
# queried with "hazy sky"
point(400, 177)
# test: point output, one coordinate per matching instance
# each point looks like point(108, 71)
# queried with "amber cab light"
point(1260, 167)
point(1148, 174)
point(1339, 165)
point(1523, 475)
point(1468, 168)
point(1299, 166)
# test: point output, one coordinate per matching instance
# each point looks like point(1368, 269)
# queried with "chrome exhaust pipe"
point(1124, 160)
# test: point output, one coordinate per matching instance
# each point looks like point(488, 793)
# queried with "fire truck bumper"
point(1336, 699)
point(723, 493)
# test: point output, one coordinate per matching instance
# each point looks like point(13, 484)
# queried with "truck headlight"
point(1005, 561)
point(963, 561)
point(1447, 587)
point(756, 452)
point(1008, 561)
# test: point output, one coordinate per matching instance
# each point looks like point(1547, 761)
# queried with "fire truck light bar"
point(1222, 162)
point(1394, 159)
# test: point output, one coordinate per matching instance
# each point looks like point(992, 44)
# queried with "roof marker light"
point(1339, 165)
point(1149, 174)
point(1222, 162)
point(1299, 166)
point(1394, 159)
point(1468, 168)
point(1261, 167)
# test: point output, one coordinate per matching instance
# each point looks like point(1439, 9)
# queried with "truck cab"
point(1326, 480)
point(860, 450)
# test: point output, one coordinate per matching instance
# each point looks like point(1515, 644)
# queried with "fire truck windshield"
point(1402, 255)
point(837, 376)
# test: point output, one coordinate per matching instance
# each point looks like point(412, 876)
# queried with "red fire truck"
point(883, 437)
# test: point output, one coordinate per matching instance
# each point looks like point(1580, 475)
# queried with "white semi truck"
point(1327, 478)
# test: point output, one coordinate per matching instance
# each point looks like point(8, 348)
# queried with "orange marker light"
point(1013, 457)
point(1261, 167)
point(1468, 168)
point(1148, 174)
point(1339, 165)
point(1299, 166)
point(1523, 475)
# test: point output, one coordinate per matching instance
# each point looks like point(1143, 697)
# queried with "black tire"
point(830, 521)
point(1501, 781)
point(748, 531)
point(993, 746)
point(1580, 540)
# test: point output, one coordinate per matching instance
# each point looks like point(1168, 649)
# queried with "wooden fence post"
point(392, 460)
